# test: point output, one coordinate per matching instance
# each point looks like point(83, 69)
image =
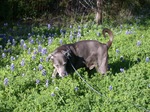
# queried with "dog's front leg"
point(54, 73)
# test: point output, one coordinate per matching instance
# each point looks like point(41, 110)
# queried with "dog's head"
point(59, 60)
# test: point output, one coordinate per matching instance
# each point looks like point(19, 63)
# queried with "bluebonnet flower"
point(13, 42)
point(121, 26)
point(43, 72)
point(56, 88)
point(6, 80)
point(110, 87)
point(121, 69)
point(71, 37)
point(79, 34)
point(22, 63)
point(37, 81)
point(21, 42)
point(71, 26)
point(76, 88)
point(138, 43)
point(5, 24)
point(3, 55)
point(117, 51)
point(24, 46)
point(12, 67)
point(50, 41)
point(1, 47)
point(44, 51)
point(128, 32)
point(40, 67)
point(52, 94)
point(33, 57)
point(61, 41)
point(147, 59)
point(48, 26)
point(12, 58)
point(41, 60)
point(98, 34)
point(39, 48)
point(47, 83)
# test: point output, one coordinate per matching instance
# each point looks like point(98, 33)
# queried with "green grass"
point(125, 88)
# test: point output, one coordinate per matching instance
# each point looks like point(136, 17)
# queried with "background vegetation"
point(30, 30)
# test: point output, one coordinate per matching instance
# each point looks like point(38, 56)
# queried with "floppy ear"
point(66, 53)
point(50, 57)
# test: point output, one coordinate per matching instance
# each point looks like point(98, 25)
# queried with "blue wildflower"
point(1, 47)
point(21, 42)
point(29, 50)
point(33, 57)
point(6, 80)
point(24, 46)
point(79, 34)
point(5, 24)
point(39, 48)
point(22, 63)
point(13, 42)
point(37, 81)
point(43, 72)
point(12, 58)
point(41, 60)
point(47, 83)
point(52, 94)
point(147, 59)
point(3, 55)
point(61, 41)
point(44, 51)
point(48, 26)
point(117, 51)
point(110, 87)
point(71, 37)
point(76, 88)
point(121, 69)
point(56, 88)
point(98, 34)
point(50, 41)
point(40, 67)
point(71, 26)
point(138, 43)
point(12, 67)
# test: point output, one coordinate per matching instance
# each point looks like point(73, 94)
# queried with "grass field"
point(25, 74)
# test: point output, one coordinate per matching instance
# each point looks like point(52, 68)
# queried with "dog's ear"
point(66, 53)
point(50, 57)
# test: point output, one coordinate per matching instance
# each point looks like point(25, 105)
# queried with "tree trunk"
point(98, 17)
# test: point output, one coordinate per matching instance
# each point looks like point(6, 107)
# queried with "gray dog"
point(87, 53)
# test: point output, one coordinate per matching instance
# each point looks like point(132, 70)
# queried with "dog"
point(86, 53)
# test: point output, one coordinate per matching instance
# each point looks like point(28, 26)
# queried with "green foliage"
point(25, 86)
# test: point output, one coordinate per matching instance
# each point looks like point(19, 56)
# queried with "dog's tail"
point(110, 36)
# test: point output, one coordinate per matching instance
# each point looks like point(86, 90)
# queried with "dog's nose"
point(64, 74)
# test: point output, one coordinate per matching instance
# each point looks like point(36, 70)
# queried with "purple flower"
point(5, 24)
point(37, 81)
point(71, 37)
point(50, 41)
point(71, 26)
point(33, 57)
point(61, 41)
point(110, 87)
point(12, 67)
point(24, 46)
point(12, 58)
point(138, 43)
point(3, 55)
point(47, 82)
point(117, 51)
point(44, 51)
point(76, 88)
point(56, 88)
point(79, 34)
point(147, 59)
point(48, 26)
point(40, 67)
point(21, 42)
point(13, 42)
point(6, 80)
point(41, 60)
point(128, 32)
point(22, 63)
point(98, 34)
point(52, 94)
point(121, 69)
point(43, 72)
point(39, 48)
